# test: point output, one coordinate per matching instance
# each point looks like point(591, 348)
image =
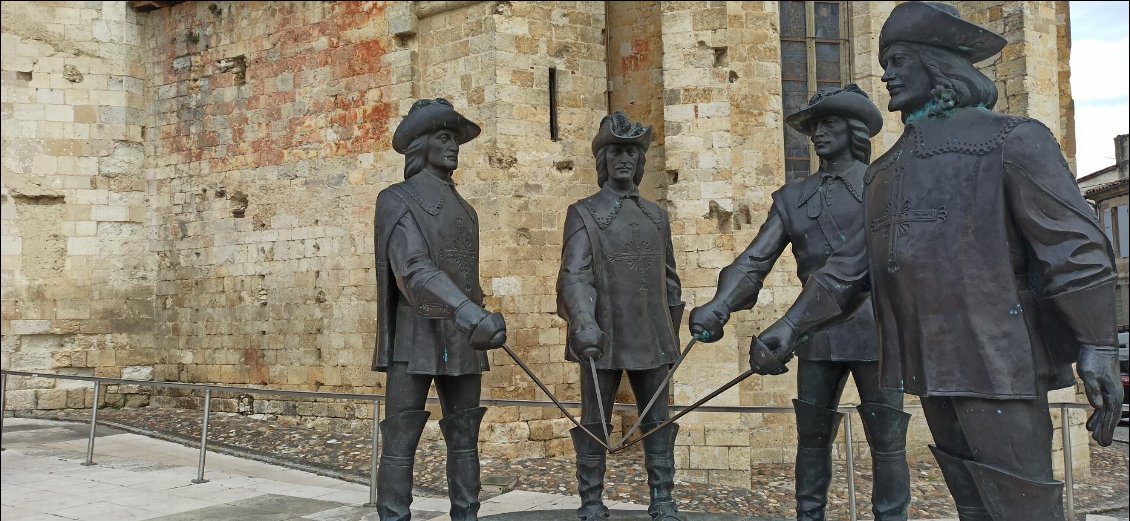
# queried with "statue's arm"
point(430, 291)
point(740, 282)
point(1073, 257)
point(837, 289)
point(576, 283)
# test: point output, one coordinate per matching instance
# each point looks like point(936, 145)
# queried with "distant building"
point(1108, 189)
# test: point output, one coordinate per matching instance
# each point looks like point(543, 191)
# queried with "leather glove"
point(589, 341)
point(773, 348)
point(1098, 368)
point(706, 321)
point(489, 333)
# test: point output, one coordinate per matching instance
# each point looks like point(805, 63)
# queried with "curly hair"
point(957, 82)
point(602, 166)
point(860, 140)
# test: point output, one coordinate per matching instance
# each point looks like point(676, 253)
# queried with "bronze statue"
point(814, 214)
point(619, 292)
point(431, 325)
point(988, 272)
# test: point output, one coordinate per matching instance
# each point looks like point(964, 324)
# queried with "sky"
point(1100, 75)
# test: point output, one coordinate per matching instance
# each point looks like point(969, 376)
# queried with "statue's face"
point(621, 161)
point(443, 151)
point(831, 136)
point(908, 81)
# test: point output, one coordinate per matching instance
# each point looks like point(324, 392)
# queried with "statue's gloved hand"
point(589, 341)
point(773, 348)
point(1098, 368)
point(490, 333)
point(706, 321)
point(488, 330)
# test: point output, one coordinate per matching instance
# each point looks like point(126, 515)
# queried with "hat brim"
point(843, 104)
point(430, 119)
point(605, 137)
point(920, 22)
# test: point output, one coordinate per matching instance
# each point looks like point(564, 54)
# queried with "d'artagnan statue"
point(431, 324)
point(814, 214)
point(619, 292)
point(988, 271)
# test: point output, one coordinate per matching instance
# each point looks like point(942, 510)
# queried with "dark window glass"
point(827, 19)
point(792, 20)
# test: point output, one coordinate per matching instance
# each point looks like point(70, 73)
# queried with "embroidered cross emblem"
point(462, 251)
point(898, 216)
point(638, 255)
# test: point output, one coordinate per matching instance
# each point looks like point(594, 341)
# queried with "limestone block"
point(137, 372)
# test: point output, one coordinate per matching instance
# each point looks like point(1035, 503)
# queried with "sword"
point(545, 390)
point(659, 391)
point(689, 408)
point(600, 403)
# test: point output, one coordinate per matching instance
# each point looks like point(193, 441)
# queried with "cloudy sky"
point(1100, 54)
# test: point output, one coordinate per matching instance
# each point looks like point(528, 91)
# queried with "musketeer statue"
point(619, 292)
point(813, 214)
point(431, 325)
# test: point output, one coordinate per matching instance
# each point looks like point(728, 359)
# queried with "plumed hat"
point(848, 102)
point(938, 24)
point(427, 116)
point(617, 128)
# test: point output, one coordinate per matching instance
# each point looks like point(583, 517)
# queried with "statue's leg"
point(591, 455)
point(1011, 445)
point(819, 385)
point(952, 451)
point(659, 448)
point(400, 435)
point(885, 424)
point(462, 416)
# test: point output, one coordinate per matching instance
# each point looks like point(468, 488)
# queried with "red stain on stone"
point(639, 56)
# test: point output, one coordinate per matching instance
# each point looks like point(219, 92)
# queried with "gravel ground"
point(346, 455)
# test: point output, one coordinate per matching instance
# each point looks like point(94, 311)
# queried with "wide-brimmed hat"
point(848, 102)
point(941, 25)
point(429, 115)
point(617, 128)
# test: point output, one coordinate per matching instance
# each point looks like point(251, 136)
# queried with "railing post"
point(373, 463)
point(93, 425)
point(1068, 472)
point(204, 437)
point(850, 465)
point(3, 394)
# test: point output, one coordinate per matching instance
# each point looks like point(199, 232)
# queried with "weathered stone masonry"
point(188, 193)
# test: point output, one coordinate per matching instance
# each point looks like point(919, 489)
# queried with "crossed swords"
point(626, 440)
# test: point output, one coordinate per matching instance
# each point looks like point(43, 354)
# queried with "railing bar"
point(204, 437)
point(850, 464)
point(1068, 472)
point(3, 396)
point(373, 462)
point(93, 425)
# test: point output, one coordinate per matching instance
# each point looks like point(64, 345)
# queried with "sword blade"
point(545, 390)
point(659, 391)
point(623, 445)
point(600, 403)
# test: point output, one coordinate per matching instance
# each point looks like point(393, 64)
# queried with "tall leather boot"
point(1009, 497)
point(816, 430)
point(659, 459)
point(885, 427)
point(400, 435)
point(961, 486)
point(591, 464)
point(461, 433)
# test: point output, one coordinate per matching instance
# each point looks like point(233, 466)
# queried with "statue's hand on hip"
point(1098, 368)
point(707, 321)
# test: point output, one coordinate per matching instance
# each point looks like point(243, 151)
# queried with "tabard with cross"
point(630, 242)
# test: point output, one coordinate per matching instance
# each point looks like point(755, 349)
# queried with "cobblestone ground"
point(346, 455)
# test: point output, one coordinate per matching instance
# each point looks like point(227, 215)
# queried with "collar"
point(605, 205)
point(429, 190)
point(852, 179)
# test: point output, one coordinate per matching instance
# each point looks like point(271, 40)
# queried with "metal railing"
point(376, 400)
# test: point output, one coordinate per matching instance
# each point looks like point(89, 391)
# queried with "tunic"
point(427, 250)
point(618, 265)
point(987, 267)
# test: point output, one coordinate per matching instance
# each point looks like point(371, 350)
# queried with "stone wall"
point(77, 274)
point(188, 193)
